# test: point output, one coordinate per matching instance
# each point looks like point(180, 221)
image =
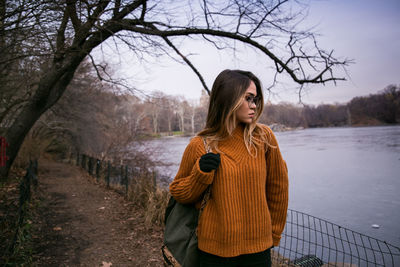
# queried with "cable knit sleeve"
point(277, 187)
point(190, 182)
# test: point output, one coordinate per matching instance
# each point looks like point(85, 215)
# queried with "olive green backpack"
point(180, 235)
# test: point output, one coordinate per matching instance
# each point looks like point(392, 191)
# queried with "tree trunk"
point(169, 123)
point(348, 115)
point(50, 89)
point(192, 123)
point(155, 123)
point(182, 124)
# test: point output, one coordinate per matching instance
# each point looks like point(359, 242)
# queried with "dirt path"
point(81, 223)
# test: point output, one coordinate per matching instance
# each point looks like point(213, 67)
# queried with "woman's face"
point(246, 111)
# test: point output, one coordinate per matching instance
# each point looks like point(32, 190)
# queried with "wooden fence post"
point(90, 166)
point(122, 175)
point(126, 179)
point(35, 173)
point(98, 169)
point(83, 163)
point(154, 181)
point(108, 174)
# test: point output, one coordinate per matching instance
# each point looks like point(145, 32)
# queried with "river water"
point(348, 176)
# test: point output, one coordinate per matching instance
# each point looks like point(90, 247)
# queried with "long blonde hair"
point(226, 97)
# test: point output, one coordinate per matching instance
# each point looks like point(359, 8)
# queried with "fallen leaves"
point(108, 230)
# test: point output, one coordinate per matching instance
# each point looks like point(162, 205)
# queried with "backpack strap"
point(207, 192)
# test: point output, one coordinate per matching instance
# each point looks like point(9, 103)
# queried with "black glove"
point(209, 162)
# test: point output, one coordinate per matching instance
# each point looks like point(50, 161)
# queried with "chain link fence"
point(310, 241)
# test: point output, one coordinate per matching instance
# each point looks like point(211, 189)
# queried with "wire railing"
point(310, 241)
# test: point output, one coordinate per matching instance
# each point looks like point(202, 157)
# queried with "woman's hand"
point(209, 162)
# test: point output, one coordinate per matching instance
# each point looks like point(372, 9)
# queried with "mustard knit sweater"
point(247, 209)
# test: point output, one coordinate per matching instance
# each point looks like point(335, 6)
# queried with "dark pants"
point(260, 259)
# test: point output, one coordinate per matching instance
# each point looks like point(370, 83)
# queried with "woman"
point(246, 212)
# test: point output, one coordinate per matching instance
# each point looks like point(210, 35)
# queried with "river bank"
point(276, 127)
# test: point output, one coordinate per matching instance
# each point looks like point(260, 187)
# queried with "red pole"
point(3, 154)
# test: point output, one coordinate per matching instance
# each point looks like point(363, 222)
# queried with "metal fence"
point(116, 176)
point(25, 191)
point(310, 241)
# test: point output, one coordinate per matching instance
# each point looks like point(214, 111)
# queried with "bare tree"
point(139, 111)
point(169, 112)
point(165, 105)
point(154, 110)
point(376, 109)
point(184, 111)
point(71, 29)
point(192, 114)
point(181, 113)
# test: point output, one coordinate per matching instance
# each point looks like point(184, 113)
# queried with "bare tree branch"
point(117, 6)
point(61, 36)
point(71, 10)
point(265, 16)
point(270, 27)
point(144, 8)
point(189, 63)
point(319, 78)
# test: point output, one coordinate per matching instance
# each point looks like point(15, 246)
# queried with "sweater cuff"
point(202, 177)
point(275, 239)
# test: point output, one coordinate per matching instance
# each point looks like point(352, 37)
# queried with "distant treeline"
point(375, 109)
point(101, 120)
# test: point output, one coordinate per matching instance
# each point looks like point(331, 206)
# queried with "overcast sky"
point(367, 31)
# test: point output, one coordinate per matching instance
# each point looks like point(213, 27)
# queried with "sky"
point(366, 31)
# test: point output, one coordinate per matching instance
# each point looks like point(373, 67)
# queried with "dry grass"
point(279, 261)
point(142, 191)
point(11, 225)
point(152, 198)
point(155, 208)
point(32, 148)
